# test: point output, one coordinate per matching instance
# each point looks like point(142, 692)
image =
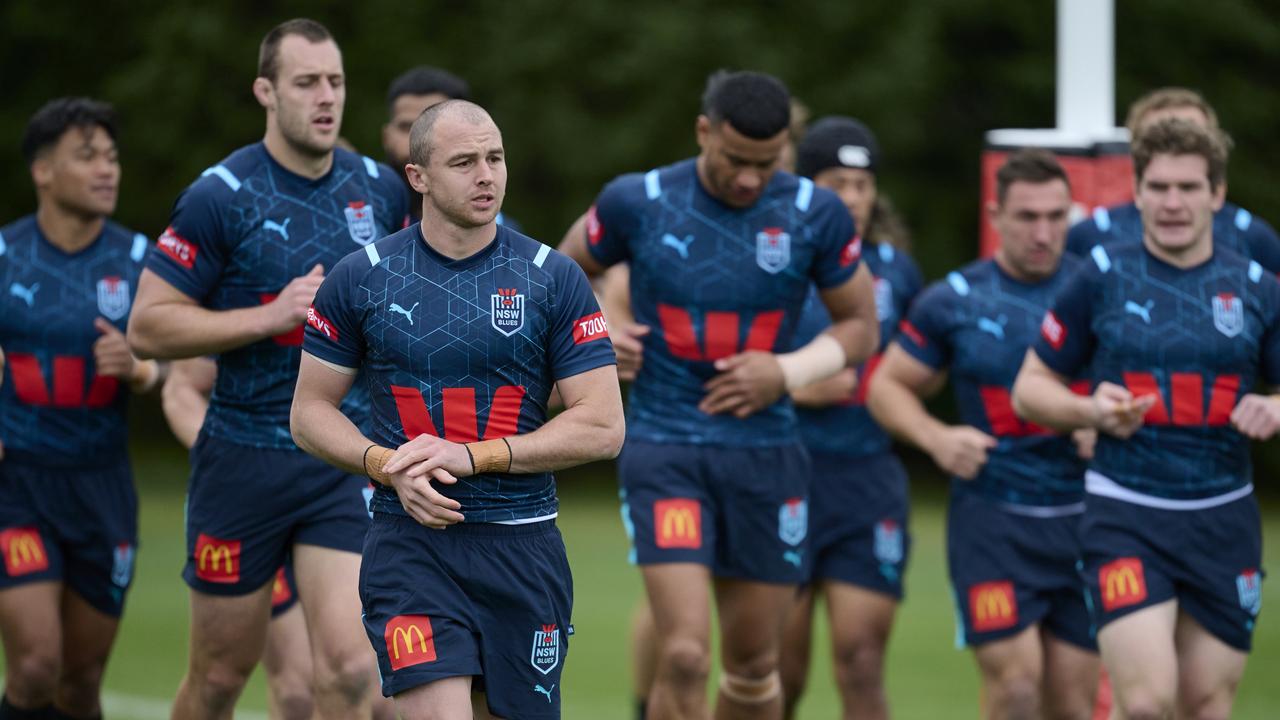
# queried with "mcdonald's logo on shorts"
point(1122, 583)
point(992, 606)
point(409, 641)
point(217, 560)
point(281, 593)
point(677, 523)
point(23, 550)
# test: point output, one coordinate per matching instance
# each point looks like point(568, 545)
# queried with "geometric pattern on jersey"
point(55, 410)
point(847, 428)
point(462, 349)
point(978, 323)
point(710, 281)
point(238, 235)
point(1196, 338)
point(1234, 228)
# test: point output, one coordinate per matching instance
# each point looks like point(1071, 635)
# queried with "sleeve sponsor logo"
point(217, 560)
point(179, 249)
point(992, 606)
point(321, 324)
point(23, 550)
point(591, 327)
point(595, 231)
point(852, 252)
point(1053, 330)
point(410, 641)
point(677, 523)
point(1122, 583)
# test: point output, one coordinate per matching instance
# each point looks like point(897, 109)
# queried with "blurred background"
point(583, 92)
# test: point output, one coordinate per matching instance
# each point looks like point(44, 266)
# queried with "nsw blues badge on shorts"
point(793, 521)
point(546, 649)
point(1249, 587)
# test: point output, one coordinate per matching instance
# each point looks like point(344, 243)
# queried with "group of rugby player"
point(376, 438)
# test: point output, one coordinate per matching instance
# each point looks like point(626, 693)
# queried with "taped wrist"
point(819, 360)
point(375, 457)
point(489, 456)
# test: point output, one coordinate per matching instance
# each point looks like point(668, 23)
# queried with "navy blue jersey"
point(462, 349)
point(848, 429)
point(711, 281)
point(238, 235)
point(1197, 339)
point(54, 408)
point(979, 323)
point(1234, 228)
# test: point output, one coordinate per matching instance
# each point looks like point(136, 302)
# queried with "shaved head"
point(420, 134)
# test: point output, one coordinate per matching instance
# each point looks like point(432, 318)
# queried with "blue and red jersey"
point(711, 281)
point(847, 428)
point(238, 235)
point(978, 323)
point(55, 409)
point(461, 349)
point(1198, 339)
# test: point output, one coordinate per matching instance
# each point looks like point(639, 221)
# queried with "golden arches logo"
point(212, 555)
point(23, 550)
point(678, 523)
point(1122, 582)
point(993, 606)
point(412, 633)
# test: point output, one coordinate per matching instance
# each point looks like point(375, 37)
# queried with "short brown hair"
point(1030, 165)
point(269, 51)
point(1175, 136)
point(1164, 98)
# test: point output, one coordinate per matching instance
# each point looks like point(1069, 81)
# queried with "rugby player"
point(234, 274)
point(1017, 489)
point(68, 509)
point(1176, 332)
point(461, 328)
point(722, 250)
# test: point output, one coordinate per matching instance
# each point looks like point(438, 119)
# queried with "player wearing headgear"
point(68, 509)
point(1017, 489)
point(1176, 332)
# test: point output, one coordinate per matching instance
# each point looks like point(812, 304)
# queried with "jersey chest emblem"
point(773, 250)
point(113, 297)
point(360, 222)
point(506, 311)
point(1228, 314)
point(884, 299)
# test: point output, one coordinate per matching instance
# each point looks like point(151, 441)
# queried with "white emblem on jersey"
point(1228, 314)
point(360, 222)
point(113, 297)
point(773, 250)
point(26, 294)
point(506, 311)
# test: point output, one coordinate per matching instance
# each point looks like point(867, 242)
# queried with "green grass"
point(927, 677)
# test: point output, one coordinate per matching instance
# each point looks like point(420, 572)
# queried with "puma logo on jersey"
point(1143, 311)
point(26, 294)
point(273, 226)
point(993, 327)
point(395, 308)
point(681, 247)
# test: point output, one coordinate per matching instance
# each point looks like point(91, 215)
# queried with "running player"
point(462, 327)
point(235, 273)
point(1176, 332)
point(68, 510)
point(859, 491)
point(1017, 489)
point(1233, 226)
point(722, 250)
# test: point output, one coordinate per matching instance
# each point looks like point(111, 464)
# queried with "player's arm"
point(574, 245)
point(832, 391)
point(854, 324)
point(613, 288)
point(168, 323)
point(1044, 397)
point(185, 396)
point(112, 358)
point(896, 400)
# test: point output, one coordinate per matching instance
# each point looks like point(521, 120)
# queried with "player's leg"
point(286, 663)
point(1140, 656)
point(343, 665)
point(644, 656)
point(1012, 669)
point(680, 597)
point(752, 615)
point(87, 636)
point(797, 644)
point(1070, 679)
point(1209, 671)
point(445, 699)
point(226, 640)
point(31, 629)
point(861, 620)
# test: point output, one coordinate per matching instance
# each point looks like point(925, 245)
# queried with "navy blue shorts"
point(247, 507)
point(859, 521)
point(743, 512)
point(1209, 560)
point(1010, 571)
point(78, 526)
point(485, 600)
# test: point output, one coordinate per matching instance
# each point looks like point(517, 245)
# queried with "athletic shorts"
point(743, 512)
point(247, 507)
point(1209, 560)
point(485, 600)
point(78, 526)
point(859, 521)
point(284, 588)
point(1011, 570)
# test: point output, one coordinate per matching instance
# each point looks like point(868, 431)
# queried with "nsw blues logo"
point(773, 250)
point(360, 222)
point(793, 521)
point(113, 297)
point(888, 542)
point(546, 649)
point(122, 565)
point(1228, 314)
point(1249, 587)
point(506, 310)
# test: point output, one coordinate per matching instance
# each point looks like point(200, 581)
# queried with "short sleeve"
point(578, 339)
point(334, 331)
point(1083, 236)
point(925, 334)
point(1066, 340)
point(192, 251)
point(610, 219)
point(839, 246)
point(1260, 241)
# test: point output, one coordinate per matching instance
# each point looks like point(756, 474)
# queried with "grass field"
point(927, 677)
